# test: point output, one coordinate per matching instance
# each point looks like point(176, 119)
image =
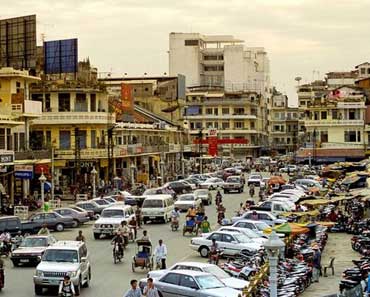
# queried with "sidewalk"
point(338, 246)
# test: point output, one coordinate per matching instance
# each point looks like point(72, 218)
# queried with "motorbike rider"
point(220, 213)
point(175, 215)
point(66, 288)
point(133, 225)
point(125, 231)
point(5, 238)
point(218, 198)
point(118, 240)
point(251, 190)
point(191, 212)
point(17, 240)
point(213, 250)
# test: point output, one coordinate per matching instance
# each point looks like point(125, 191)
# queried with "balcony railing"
point(28, 108)
point(223, 116)
point(50, 118)
point(33, 155)
point(333, 123)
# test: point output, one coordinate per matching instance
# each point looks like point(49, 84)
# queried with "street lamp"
point(132, 167)
point(42, 180)
point(309, 159)
point(162, 170)
point(273, 246)
point(94, 173)
point(116, 181)
point(183, 167)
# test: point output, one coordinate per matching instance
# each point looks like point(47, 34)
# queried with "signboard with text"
point(23, 171)
point(6, 158)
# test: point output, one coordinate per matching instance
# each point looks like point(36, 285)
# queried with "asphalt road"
point(110, 279)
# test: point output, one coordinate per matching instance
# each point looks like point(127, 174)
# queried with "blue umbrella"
point(47, 186)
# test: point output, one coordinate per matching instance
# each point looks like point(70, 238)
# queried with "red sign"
point(127, 100)
point(212, 146)
point(41, 168)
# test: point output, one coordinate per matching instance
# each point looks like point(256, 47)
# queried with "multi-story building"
point(333, 123)
point(16, 110)
point(219, 60)
point(237, 116)
point(283, 125)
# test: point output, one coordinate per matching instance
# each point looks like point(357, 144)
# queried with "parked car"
point(179, 187)
point(60, 259)
point(79, 218)
point(272, 206)
point(204, 195)
point(192, 185)
point(192, 283)
point(263, 216)
point(231, 243)
point(309, 183)
point(53, 220)
point(13, 224)
point(233, 184)
point(31, 249)
point(185, 201)
point(212, 183)
point(90, 213)
point(90, 205)
point(101, 202)
point(255, 179)
point(257, 226)
point(160, 191)
point(257, 238)
point(229, 281)
point(289, 169)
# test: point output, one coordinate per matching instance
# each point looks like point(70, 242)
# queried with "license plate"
point(24, 260)
point(106, 232)
point(151, 217)
point(54, 281)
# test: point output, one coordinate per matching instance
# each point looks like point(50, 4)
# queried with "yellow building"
point(237, 116)
point(16, 110)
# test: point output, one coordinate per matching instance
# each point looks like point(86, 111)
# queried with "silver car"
point(204, 195)
point(192, 283)
point(78, 217)
point(229, 281)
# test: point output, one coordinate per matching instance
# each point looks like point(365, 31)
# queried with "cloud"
point(132, 35)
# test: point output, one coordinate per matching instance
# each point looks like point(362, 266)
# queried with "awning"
point(31, 162)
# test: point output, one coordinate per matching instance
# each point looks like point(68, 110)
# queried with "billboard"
point(127, 99)
point(23, 171)
point(181, 89)
point(18, 42)
point(61, 56)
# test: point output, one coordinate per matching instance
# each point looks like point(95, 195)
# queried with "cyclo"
point(143, 256)
point(190, 226)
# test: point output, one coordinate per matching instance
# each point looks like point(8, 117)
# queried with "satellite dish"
point(298, 79)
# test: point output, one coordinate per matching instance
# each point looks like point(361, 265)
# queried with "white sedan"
point(231, 243)
point(212, 183)
point(185, 201)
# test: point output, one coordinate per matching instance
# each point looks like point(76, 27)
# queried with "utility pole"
point(77, 154)
point(110, 152)
point(52, 173)
point(314, 147)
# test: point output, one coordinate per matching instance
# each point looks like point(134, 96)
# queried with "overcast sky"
point(304, 38)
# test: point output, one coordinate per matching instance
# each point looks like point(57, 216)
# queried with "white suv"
point(63, 258)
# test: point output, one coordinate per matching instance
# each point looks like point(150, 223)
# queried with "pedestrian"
point(134, 291)
point(160, 253)
point(138, 216)
point(150, 290)
point(66, 288)
point(316, 263)
point(80, 236)
point(133, 225)
point(205, 226)
point(44, 230)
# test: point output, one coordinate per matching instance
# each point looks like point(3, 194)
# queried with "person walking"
point(66, 288)
point(316, 263)
point(44, 230)
point(150, 290)
point(205, 226)
point(80, 236)
point(134, 291)
point(160, 253)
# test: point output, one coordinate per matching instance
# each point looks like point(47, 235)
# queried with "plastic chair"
point(331, 265)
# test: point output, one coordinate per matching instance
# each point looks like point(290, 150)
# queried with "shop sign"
point(23, 171)
point(139, 150)
point(41, 168)
point(6, 158)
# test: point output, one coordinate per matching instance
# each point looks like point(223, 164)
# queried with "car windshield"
point(77, 209)
point(255, 177)
point(242, 238)
point(150, 192)
point(201, 192)
point(232, 180)
point(34, 242)
point(250, 233)
point(186, 198)
point(86, 206)
point(262, 226)
point(209, 282)
point(56, 255)
point(101, 202)
point(152, 204)
point(112, 213)
point(216, 271)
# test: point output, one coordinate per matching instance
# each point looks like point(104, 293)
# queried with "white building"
point(219, 60)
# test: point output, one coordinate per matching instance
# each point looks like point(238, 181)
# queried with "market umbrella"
point(290, 228)
point(277, 180)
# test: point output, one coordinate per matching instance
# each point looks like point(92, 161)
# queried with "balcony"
point(91, 153)
point(344, 145)
point(9, 121)
point(33, 155)
point(221, 117)
point(333, 123)
point(73, 118)
point(29, 108)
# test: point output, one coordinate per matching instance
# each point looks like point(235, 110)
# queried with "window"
point(48, 137)
point(252, 126)
point(12, 223)
point(352, 114)
point(188, 282)
point(216, 236)
point(227, 238)
point(334, 114)
point(225, 125)
point(324, 136)
point(64, 102)
point(215, 125)
point(323, 115)
point(198, 125)
point(368, 70)
point(18, 87)
point(358, 136)
point(83, 138)
point(209, 111)
point(239, 125)
point(47, 103)
point(264, 217)
point(2, 138)
point(209, 125)
point(64, 140)
point(81, 103)
point(92, 102)
point(49, 216)
point(191, 42)
point(350, 136)
point(215, 111)
point(225, 110)
point(171, 278)
point(93, 138)
point(9, 139)
point(239, 111)
point(37, 217)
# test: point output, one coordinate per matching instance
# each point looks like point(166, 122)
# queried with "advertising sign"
point(41, 168)
point(6, 158)
point(212, 142)
point(61, 56)
point(127, 99)
point(23, 171)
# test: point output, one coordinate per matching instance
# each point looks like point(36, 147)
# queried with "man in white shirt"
point(160, 253)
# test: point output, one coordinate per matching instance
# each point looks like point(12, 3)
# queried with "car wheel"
point(59, 227)
point(38, 290)
point(204, 251)
point(160, 294)
point(75, 224)
point(87, 283)
point(96, 235)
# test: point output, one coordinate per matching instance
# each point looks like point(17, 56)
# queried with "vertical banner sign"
point(212, 142)
point(127, 99)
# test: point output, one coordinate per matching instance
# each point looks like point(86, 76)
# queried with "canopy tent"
point(315, 202)
point(290, 229)
point(276, 180)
